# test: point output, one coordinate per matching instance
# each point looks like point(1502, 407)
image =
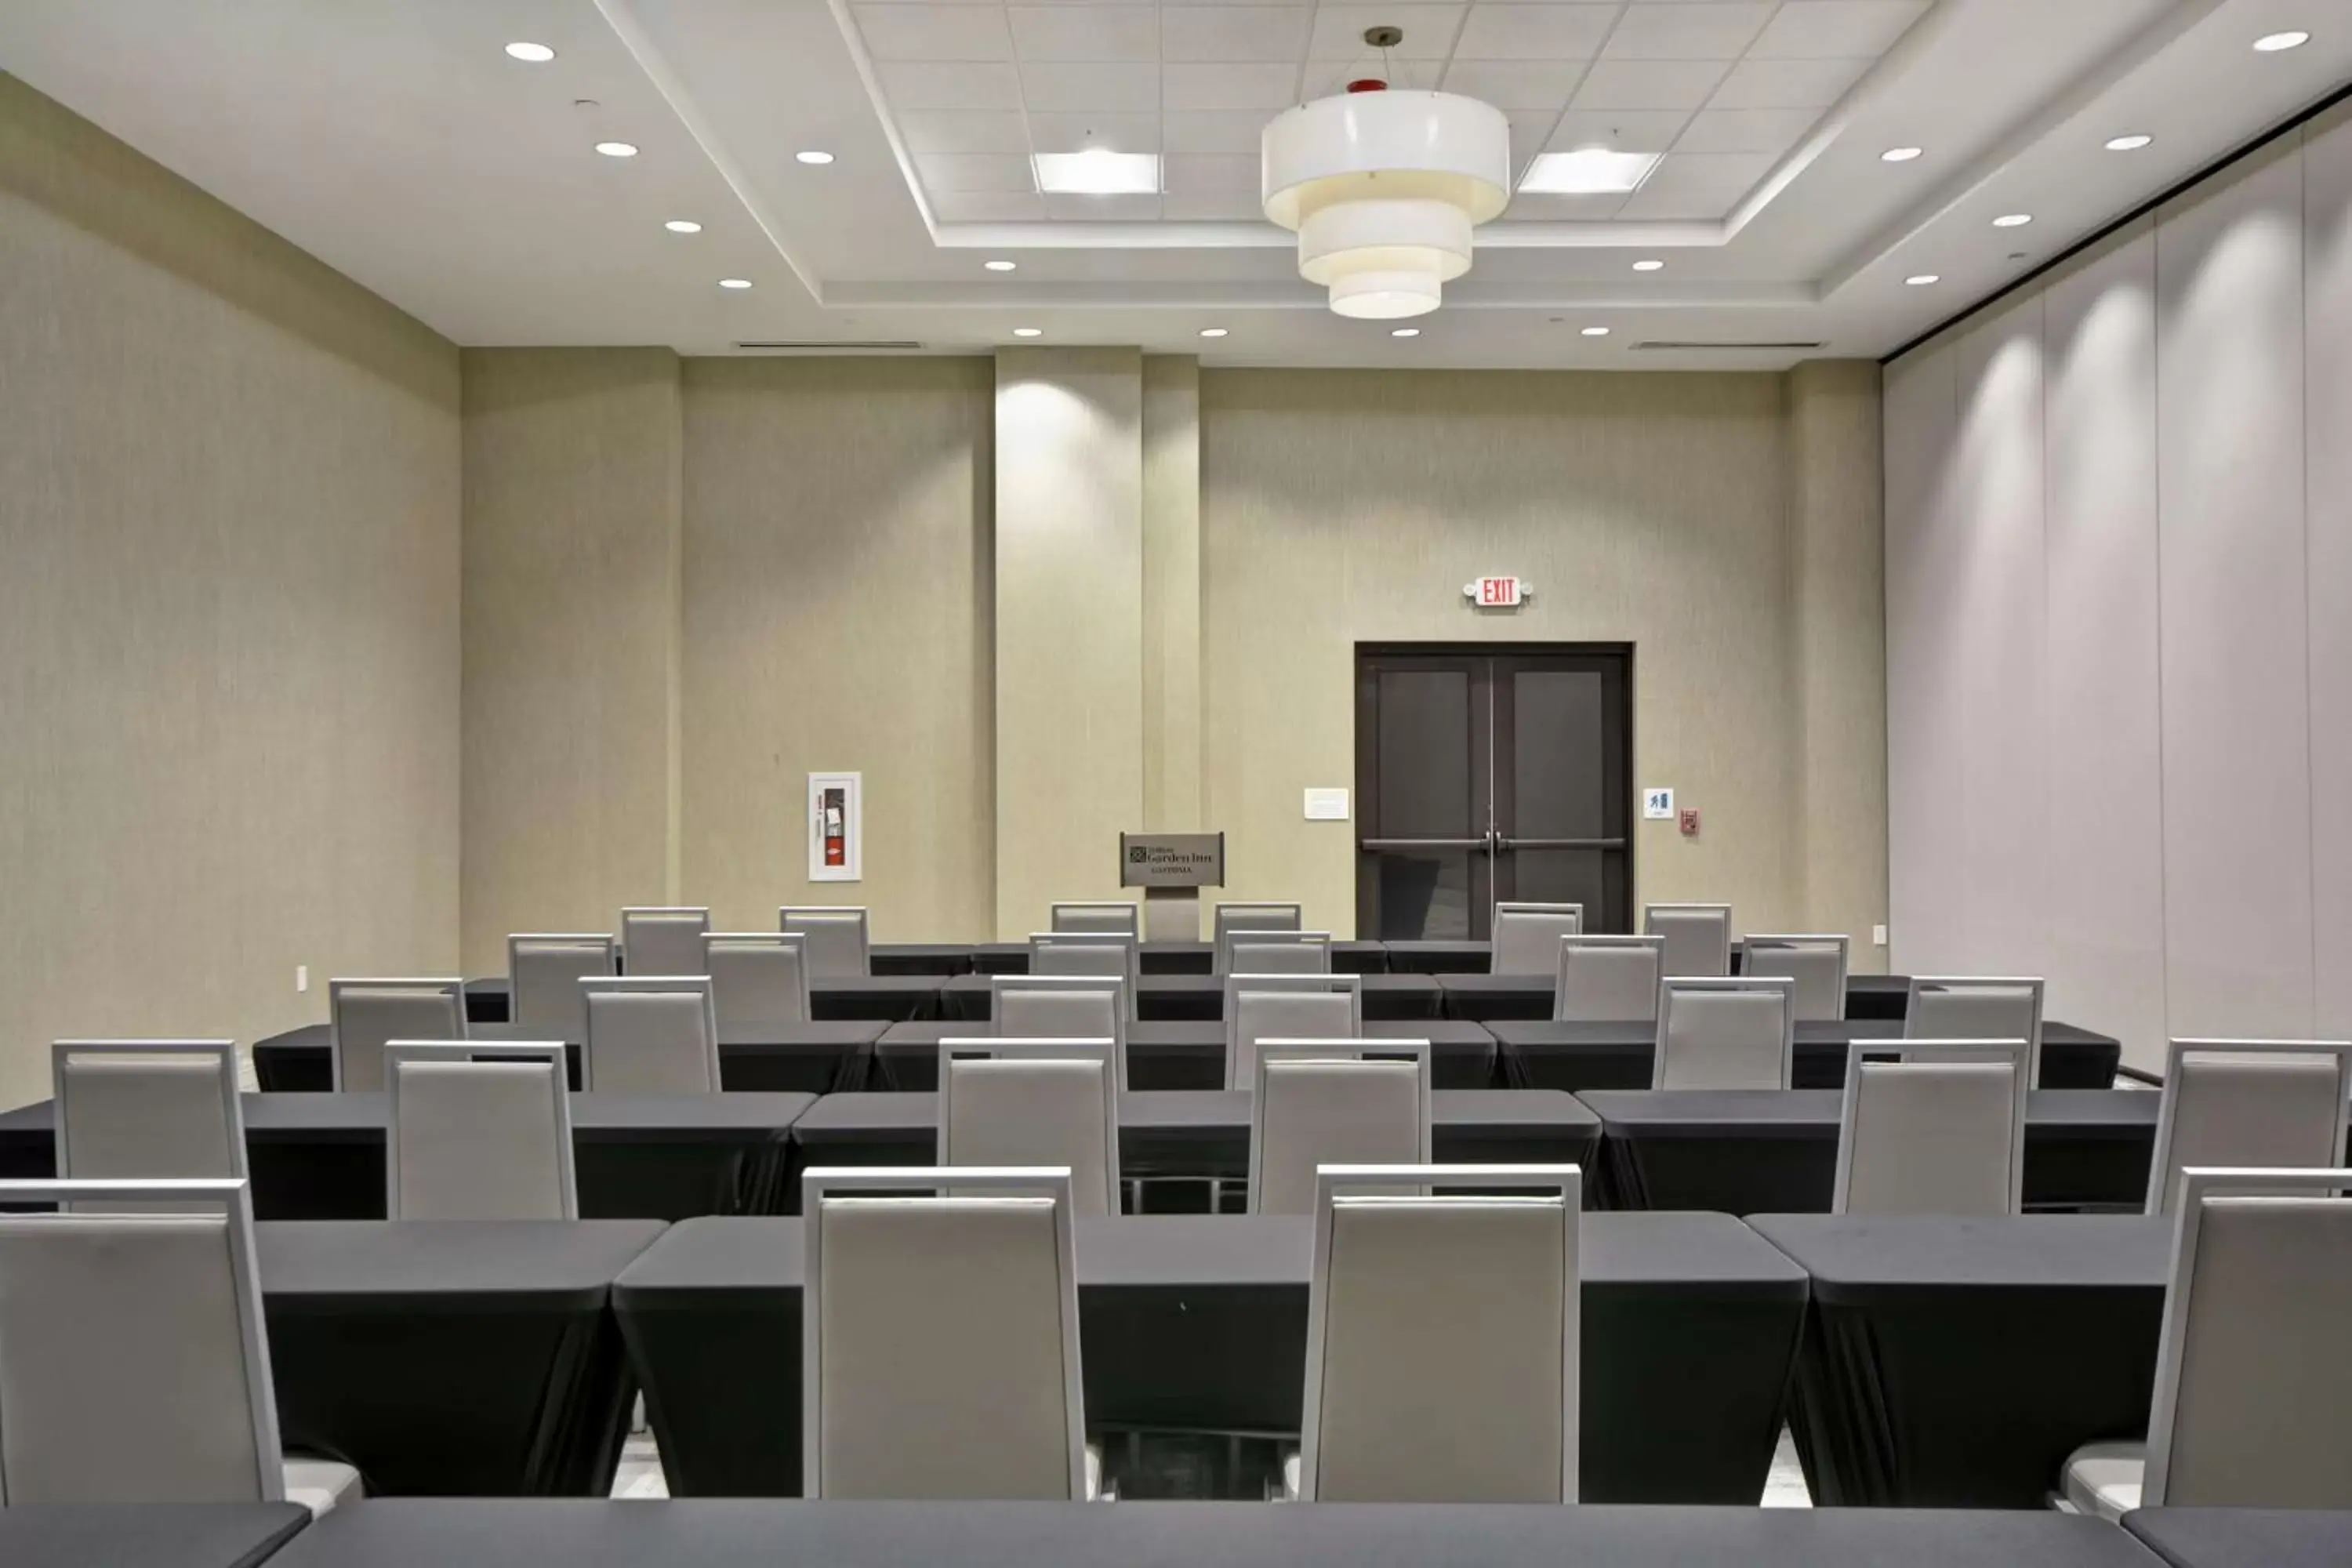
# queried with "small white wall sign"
point(1658, 805)
point(836, 826)
point(1327, 806)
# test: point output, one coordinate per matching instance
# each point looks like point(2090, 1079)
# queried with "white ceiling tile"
point(934, 33)
point(1529, 131)
point(1516, 84)
point(1773, 130)
point(987, 207)
point(1102, 209)
point(974, 172)
point(1671, 206)
point(909, 84)
point(1214, 207)
point(1211, 174)
point(957, 130)
point(1428, 31)
point(1323, 78)
point(1626, 130)
point(1065, 87)
point(1835, 29)
point(1085, 32)
point(1787, 84)
point(1708, 31)
point(1270, 88)
point(1519, 32)
point(1708, 174)
point(1567, 209)
point(1230, 131)
point(1648, 84)
point(1077, 133)
point(1235, 32)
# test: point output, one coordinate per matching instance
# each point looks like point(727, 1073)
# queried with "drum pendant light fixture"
point(1384, 188)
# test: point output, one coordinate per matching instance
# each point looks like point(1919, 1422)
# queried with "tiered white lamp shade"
point(1384, 189)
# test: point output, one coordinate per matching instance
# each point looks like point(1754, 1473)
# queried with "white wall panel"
point(1923, 644)
point(2235, 657)
point(2328, 314)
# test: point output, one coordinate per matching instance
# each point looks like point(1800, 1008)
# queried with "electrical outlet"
point(1878, 935)
point(301, 977)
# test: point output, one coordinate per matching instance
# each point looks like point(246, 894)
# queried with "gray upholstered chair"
point(1403, 1404)
point(134, 1362)
point(137, 1109)
point(1724, 1034)
point(1333, 1103)
point(837, 947)
point(650, 1034)
point(1606, 979)
point(365, 1016)
point(1060, 1007)
point(1286, 1007)
point(1235, 916)
point(1277, 952)
point(2247, 1103)
point(1818, 966)
point(544, 970)
point(1100, 919)
point(1111, 955)
point(663, 939)
point(2253, 1406)
point(1034, 1102)
point(1527, 937)
point(479, 1131)
point(1941, 1008)
point(1940, 1129)
point(1698, 938)
point(757, 976)
point(940, 1337)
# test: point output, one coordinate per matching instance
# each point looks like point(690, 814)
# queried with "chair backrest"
point(1060, 1007)
point(1287, 1007)
point(650, 1034)
point(134, 1367)
point(1403, 1403)
point(666, 939)
point(544, 970)
point(365, 1016)
point(1333, 1103)
point(1112, 955)
point(1034, 1102)
point(1940, 1129)
point(1277, 952)
point(1606, 979)
point(1232, 916)
point(1527, 937)
point(939, 1336)
point(757, 976)
point(2248, 1103)
point(837, 946)
point(479, 1131)
point(1950, 1008)
point(1698, 938)
point(2253, 1391)
point(1724, 1033)
point(134, 1110)
point(1107, 919)
point(1818, 966)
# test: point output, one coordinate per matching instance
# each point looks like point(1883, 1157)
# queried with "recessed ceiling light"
point(1921, 279)
point(2013, 220)
point(1649, 267)
point(1900, 154)
point(2272, 43)
point(1588, 172)
point(683, 226)
point(734, 282)
point(1028, 331)
point(999, 265)
point(1596, 332)
point(1404, 332)
point(2131, 143)
point(1098, 171)
point(617, 148)
point(811, 156)
point(539, 53)
point(1212, 331)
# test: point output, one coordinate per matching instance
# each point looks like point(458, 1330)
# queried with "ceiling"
point(396, 140)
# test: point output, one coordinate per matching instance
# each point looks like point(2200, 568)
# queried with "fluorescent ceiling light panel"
point(1098, 171)
point(1589, 171)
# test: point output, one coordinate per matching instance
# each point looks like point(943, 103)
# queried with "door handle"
point(1377, 845)
point(1561, 843)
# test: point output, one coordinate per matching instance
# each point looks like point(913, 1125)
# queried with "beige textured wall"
point(836, 616)
point(571, 543)
point(228, 612)
point(1172, 591)
point(1339, 507)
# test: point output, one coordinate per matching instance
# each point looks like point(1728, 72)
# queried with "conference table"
point(1198, 1323)
point(1768, 1150)
point(800, 1057)
point(322, 1156)
point(1200, 1134)
point(948, 959)
point(148, 1535)
point(1179, 998)
point(1578, 1055)
point(462, 1358)
point(889, 997)
point(1485, 998)
point(1955, 1362)
point(2244, 1537)
point(1178, 1055)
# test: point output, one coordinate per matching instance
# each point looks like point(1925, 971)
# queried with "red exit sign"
point(1497, 592)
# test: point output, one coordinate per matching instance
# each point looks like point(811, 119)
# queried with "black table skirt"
point(1956, 1363)
point(1763, 1152)
point(889, 996)
point(1543, 1054)
point(452, 1360)
point(1190, 1056)
point(151, 1535)
point(822, 1058)
point(1485, 998)
point(2244, 1538)
point(1199, 1323)
point(1201, 998)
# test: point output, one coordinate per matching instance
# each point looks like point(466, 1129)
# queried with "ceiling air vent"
point(1695, 343)
point(841, 346)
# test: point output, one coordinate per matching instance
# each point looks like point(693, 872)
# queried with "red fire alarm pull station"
point(1690, 822)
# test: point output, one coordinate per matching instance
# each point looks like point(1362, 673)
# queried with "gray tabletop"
point(1857, 1256)
point(1582, 1054)
point(1195, 997)
point(266, 1115)
point(1179, 1054)
point(814, 1034)
point(155, 1535)
point(738, 1533)
point(2244, 1538)
point(1731, 1113)
point(846, 1117)
point(555, 1263)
